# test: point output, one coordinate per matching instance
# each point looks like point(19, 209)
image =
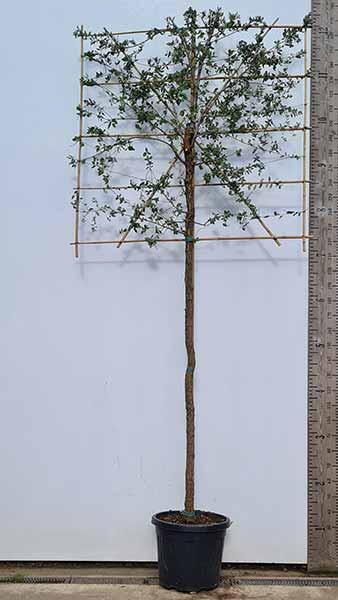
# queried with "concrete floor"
point(154, 592)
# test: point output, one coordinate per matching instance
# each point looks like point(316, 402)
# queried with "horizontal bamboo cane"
point(200, 239)
point(167, 30)
point(211, 78)
point(203, 134)
point(246, 183)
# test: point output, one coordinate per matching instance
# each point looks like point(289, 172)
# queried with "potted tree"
point(216, 107)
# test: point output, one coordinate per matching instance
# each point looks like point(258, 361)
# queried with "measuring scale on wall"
point(323, 296)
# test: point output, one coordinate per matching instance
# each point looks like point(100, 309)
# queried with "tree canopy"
point(230, 92)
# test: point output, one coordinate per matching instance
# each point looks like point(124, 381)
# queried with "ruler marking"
point(323, 299)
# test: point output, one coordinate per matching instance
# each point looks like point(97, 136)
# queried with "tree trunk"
point(189, 319)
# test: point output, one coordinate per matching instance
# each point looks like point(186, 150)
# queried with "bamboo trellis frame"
point(303, 181)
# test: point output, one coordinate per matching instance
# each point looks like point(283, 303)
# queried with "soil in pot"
point(201, 518)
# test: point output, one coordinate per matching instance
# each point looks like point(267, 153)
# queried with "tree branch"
point(247, 204)
point(226, 85)
point(148, 200)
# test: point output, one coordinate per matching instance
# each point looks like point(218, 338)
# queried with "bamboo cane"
point(79, 154)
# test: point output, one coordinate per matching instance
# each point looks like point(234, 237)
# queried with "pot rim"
point(184, 527)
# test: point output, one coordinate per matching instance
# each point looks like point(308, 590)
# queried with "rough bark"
point(189, 319)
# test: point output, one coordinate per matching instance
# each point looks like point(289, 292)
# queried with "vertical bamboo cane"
point(79, 154)
point(305, 109)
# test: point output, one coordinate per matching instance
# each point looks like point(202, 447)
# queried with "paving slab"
point(77, 571)
point(154, 592)
point(133, 572)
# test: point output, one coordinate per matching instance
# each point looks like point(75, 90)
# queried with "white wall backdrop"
point(92, 354)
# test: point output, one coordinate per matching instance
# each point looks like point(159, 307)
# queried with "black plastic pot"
point(190, 556)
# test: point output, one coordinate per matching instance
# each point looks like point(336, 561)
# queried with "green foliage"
point(220, 91)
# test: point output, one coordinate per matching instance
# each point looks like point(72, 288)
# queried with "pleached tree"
point(215, 107)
